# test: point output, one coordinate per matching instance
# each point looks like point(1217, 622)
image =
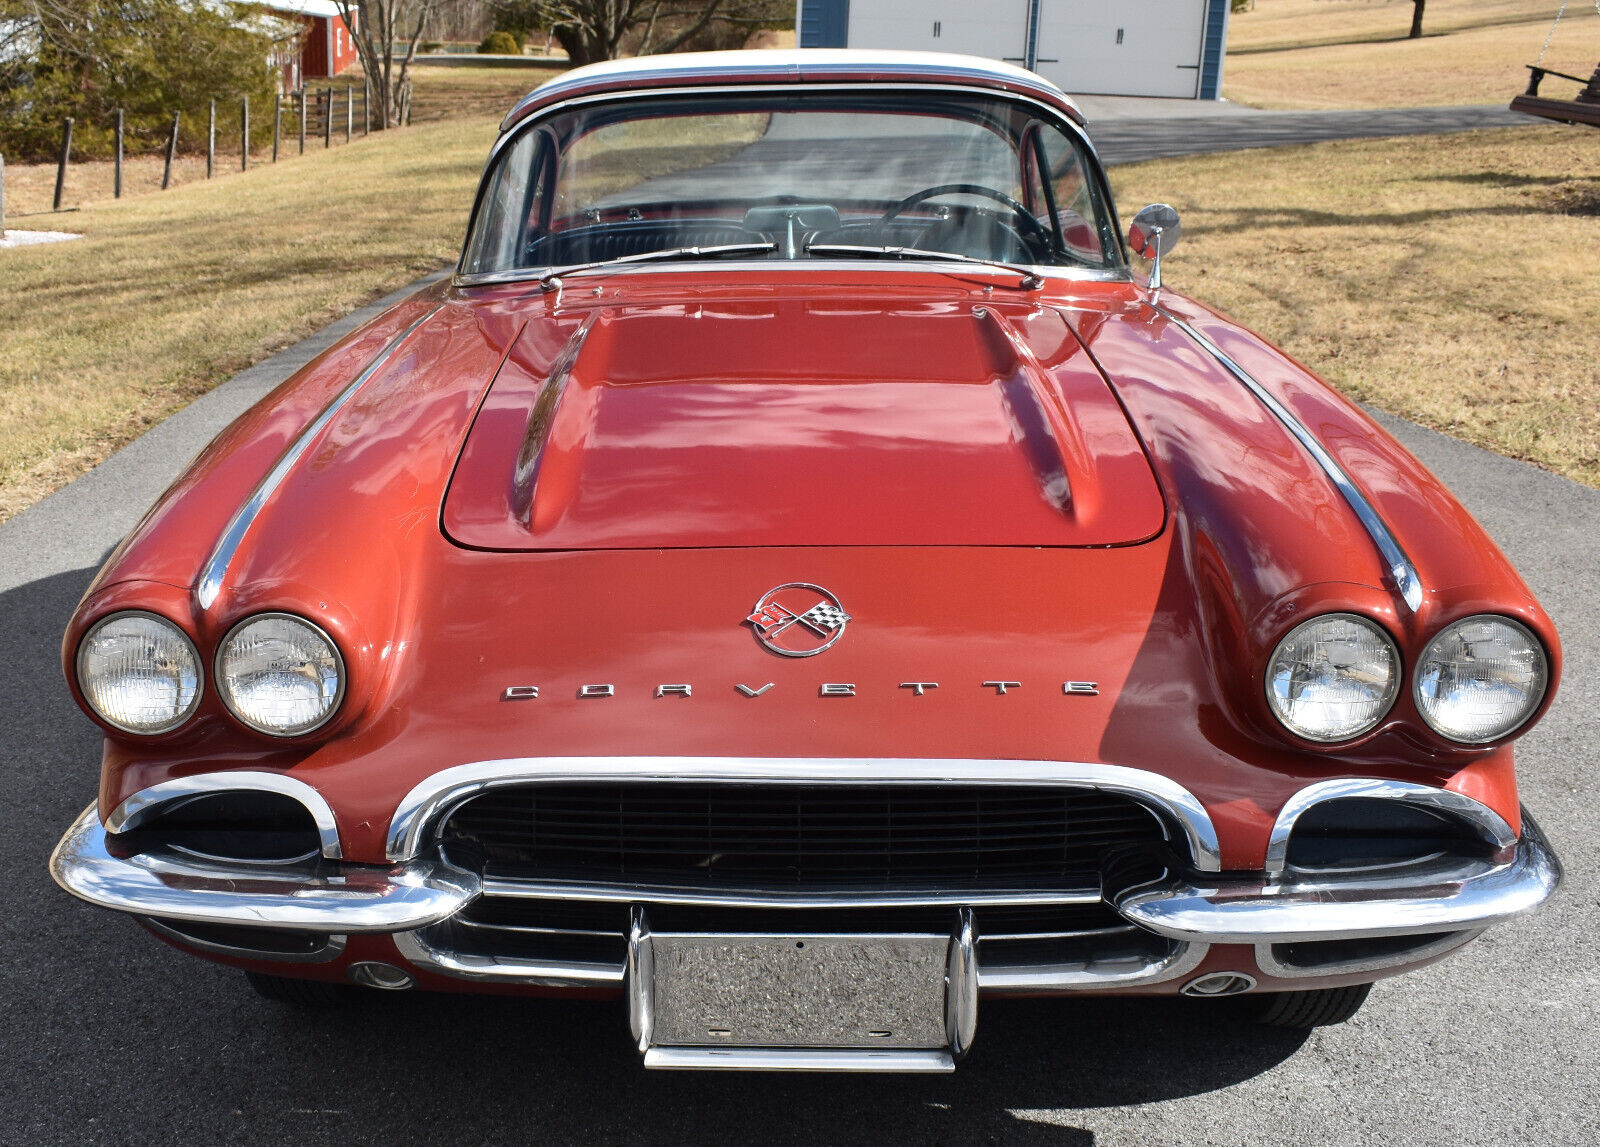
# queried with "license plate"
point(762, 991)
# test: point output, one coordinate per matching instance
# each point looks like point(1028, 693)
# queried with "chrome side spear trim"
point(1401, 572)
point(216, 567)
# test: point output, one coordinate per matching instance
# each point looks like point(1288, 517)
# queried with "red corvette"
point(800, 578)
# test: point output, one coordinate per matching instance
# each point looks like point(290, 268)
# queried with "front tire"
point(1318, 1007)
point(301, 993)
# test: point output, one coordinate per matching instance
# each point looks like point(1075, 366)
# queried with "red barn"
point(322, 46)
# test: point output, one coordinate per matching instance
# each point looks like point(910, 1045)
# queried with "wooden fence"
point(310, 117)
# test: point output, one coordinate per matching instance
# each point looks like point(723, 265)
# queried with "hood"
point(800, 423)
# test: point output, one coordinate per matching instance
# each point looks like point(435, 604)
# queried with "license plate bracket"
point(803, 1001)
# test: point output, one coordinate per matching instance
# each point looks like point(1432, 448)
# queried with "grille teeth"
point(809, 836)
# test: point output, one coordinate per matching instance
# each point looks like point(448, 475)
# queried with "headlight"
point(1480, 678)
point(280, 674)
point(139, 672)
point(1333, 677)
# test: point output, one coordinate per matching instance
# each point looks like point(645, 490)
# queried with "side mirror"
point(1154, 232)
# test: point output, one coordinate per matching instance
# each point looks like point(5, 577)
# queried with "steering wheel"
point(1033, 234)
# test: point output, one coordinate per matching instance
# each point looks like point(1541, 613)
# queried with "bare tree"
point(593, 30)
point(377, 27)
point(1416, 19)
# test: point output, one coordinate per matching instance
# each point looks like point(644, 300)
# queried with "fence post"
point(61, 167)
point(211, 140)
point(244, 134)
point(349, 111)
point(302, 119)
point(2, 197)
point(277, 123)
point(116, 175)
point(327, 118)
point(172, 150)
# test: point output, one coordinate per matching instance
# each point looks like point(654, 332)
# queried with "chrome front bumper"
point(1213, 908)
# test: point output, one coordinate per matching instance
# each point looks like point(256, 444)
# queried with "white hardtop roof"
point(789, 58)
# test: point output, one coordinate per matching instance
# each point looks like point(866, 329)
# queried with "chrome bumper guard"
point(332, 897)
point(1426, 897)
point(1212, 909)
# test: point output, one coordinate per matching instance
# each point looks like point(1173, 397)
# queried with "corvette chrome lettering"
point(824, 689)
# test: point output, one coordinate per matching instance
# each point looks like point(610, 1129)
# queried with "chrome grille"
point(798, 836)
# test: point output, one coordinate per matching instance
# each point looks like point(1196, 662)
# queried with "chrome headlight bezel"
point(1386, 704)
point(182, 718)
point(1536, 698)
point(225, 694)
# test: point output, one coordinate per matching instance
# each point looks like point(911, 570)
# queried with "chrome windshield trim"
point(1400, 570)
point(1077, 130)
point(215, 571)
point(769, 266)
point(426, 804)
point(1490, 824)
point(136, 809)
point(326, 898)
point(567, 891)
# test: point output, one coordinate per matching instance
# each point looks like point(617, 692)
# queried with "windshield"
point(980, 177)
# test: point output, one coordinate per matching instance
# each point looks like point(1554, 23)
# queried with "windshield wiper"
point(551, 279)
point(1031, 281)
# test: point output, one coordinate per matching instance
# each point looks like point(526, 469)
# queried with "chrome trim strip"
point(1489, 823)
point(1428, 897)
point(332, 947)
point(567, 890)
point(131, 813)
point(1401, 572)
point(503, 969)
point(1115, 972)
point(216, 567)
point(798, 1059)
point(332, 899)
point(1268, 962)
point(431, 800)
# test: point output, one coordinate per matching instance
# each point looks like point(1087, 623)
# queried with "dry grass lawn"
point(1353, 53)
point(1448, 279)
point(169, 294)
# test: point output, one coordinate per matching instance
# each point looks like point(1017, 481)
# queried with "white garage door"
point(1127, 48)
point(993, 28)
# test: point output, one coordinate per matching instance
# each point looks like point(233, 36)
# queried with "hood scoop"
point(799, 423)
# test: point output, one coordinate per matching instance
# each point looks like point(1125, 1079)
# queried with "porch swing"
point(1583, 108)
